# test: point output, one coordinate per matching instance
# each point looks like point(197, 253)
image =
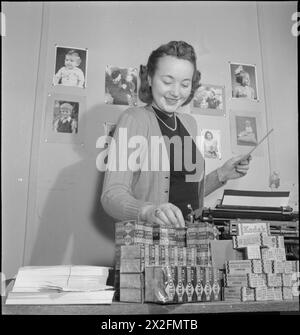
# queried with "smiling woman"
point(168, 82)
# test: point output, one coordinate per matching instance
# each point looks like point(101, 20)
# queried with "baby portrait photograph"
point(211, 143)
point(246, 130)
point(209, 100)
point(70, 67)
point(243, 81)
point(121, 86)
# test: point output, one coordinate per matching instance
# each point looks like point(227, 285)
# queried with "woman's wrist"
point(221, 175)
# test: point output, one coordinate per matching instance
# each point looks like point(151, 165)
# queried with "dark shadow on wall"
point(73, 226)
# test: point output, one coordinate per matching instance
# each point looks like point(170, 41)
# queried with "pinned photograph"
point(211, 143)
point(63, 120)
point(121, 86)
point(246, 132)
point(70, 67)
point(209, 100)
point(243, 81)
point(65, 116)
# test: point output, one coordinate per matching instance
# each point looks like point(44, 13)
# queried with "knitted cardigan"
point(125, 192)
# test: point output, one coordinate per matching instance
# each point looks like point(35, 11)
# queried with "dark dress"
point(181, 193)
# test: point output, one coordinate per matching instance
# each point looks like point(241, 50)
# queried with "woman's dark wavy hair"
point(178, 49)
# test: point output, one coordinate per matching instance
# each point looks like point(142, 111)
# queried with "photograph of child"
point(65, 117)
point(121, 86)
point(70, 67)
point(246, 130)
point(210, 143)
point(209, 99)
point(243, 79)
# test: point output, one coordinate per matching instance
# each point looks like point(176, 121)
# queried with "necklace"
point(173, 129)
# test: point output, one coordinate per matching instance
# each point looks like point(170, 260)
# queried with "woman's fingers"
point(169, 214)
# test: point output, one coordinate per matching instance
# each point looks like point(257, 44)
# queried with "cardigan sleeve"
point(117, 198)
point(213, 181)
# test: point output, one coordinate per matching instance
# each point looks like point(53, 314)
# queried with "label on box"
point(248, 294)
point(252, 252)
point(236, 280)
point(288, 266)
point(238, 267)
point(278, 266)
point(181, 284)
point(274, 280)
point(261, 293)
point(245, 240)
point(244, 228)
point(287, 279)
point(199, 289)
point(267, 266)
point(256, 266)
point(256, 280)
point(232, 293)
point(277, 293)
point(287, 293)
point(190, 285)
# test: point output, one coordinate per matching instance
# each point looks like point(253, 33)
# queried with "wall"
point(65, 221)
point(20, 59)
point(279, 53)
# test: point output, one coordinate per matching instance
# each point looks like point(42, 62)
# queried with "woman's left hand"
point(234, 168)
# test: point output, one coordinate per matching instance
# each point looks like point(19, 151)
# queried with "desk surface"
point(118, 308)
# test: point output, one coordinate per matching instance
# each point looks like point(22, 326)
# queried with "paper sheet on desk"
point(255, 198)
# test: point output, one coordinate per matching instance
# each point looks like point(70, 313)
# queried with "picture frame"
point(63, 118)
point(121, 86)
point(209, 100)
point(243, 81)
point(211, 143)
point(70, 67)
point(245, 132)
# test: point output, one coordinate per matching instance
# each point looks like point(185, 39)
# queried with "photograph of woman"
point(243, 81)
point(211, 143)
point(168, 82)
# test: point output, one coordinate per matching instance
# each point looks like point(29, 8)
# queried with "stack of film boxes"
point(264, 274)
point(140, 246)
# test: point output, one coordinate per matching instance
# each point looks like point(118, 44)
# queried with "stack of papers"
point(255, 198)
point(63, 284)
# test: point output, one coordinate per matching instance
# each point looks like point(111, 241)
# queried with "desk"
point(119, 308)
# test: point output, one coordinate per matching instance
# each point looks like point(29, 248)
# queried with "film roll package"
point(182, 284)
point(265, 274)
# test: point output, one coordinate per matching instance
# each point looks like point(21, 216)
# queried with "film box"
point(207, 284)
point(191, 284)
point(273, 254)
point(217, 283)
point(247, 294)
point(192, 235)
point(238, 267)
point(244, 228)
point(191, 256)
point(131, 280)
point(131, 265)
point(287, 293)
point(180, 237)
point(287, 279)
point(203, 257)
point(261, 293)
point(232, 293)
point(132, 251)
point(199, 279)
point(274, 280)
point(236, 280)
point(181, 296)
point(131, 295)
point(278, 266)
point(267, 266)
point(256, 266)
point(289, 267)
point(278, 293)
point(256, 280)
point(129, 232)
point(252, 252)
point(164, 235)
point(246, 240)
point(160, 284)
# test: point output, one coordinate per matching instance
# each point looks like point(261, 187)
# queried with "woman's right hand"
point(165, 214)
